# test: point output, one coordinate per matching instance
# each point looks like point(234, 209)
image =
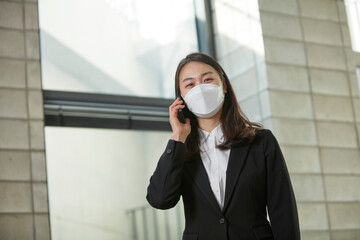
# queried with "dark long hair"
point(235, 125)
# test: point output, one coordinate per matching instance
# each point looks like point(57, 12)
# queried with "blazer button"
point(168, 150)
point(222, 221)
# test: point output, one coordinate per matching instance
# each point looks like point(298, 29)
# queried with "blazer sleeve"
point(164, 188)
point(281, 201)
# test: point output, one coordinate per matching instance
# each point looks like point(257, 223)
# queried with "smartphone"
point(183, 112)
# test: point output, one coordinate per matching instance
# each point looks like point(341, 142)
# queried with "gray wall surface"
point(308, 96)
point(316, 114)
point(23, 186)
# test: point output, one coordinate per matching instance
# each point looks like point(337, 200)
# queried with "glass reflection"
point(353, 16)
point(128, 47)
point(97, 182)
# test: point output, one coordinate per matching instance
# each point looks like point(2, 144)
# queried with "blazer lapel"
point(201, 179)
point(236, 162)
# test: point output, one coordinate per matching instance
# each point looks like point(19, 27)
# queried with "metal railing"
point(147, 223)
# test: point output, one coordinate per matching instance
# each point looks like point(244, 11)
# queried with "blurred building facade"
point(293, 69)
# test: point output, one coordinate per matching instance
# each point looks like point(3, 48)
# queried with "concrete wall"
point(23, 188)
point(315, 114)
point(308, 96)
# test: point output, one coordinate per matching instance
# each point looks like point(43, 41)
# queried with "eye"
point(208, 80)
point(189, 85)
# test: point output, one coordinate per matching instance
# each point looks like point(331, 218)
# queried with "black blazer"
point(256, 177)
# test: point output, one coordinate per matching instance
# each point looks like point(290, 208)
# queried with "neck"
point(209, 124)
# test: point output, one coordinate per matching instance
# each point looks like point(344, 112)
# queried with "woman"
point(226, 168)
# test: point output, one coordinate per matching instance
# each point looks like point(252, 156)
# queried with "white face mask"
point(205, 100)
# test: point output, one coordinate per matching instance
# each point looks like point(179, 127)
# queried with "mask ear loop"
point(223, 80)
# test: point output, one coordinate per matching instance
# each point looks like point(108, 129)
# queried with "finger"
point(177, 100)
point(175, 109)
point(174, 114)
point(176, 103)
point(179, 106)
point(173, 118)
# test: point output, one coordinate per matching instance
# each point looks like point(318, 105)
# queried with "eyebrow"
point(205, 73)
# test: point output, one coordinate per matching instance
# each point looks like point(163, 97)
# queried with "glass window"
point(97, 181)
point(127, 47)
point(353, 13)
point(240, 50)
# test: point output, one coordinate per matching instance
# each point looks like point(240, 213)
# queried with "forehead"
point(194, 69)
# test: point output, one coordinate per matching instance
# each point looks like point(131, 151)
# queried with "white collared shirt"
point(215, 161)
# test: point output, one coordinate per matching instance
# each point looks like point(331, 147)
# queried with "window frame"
point(355, 44)
point(93, 110)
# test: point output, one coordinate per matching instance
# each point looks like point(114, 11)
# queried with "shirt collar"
point(216, 133)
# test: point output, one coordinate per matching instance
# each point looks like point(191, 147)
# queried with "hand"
point(180, 130)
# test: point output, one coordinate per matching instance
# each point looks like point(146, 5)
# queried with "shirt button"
point(168, 150)
point(222, 221)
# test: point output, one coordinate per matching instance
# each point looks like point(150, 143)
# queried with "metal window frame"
point(93, 110)
point(204, 27)
point(74, 109)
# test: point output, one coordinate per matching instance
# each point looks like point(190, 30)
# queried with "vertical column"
point(23, 188)
point(292, 115)
point(313, 98)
